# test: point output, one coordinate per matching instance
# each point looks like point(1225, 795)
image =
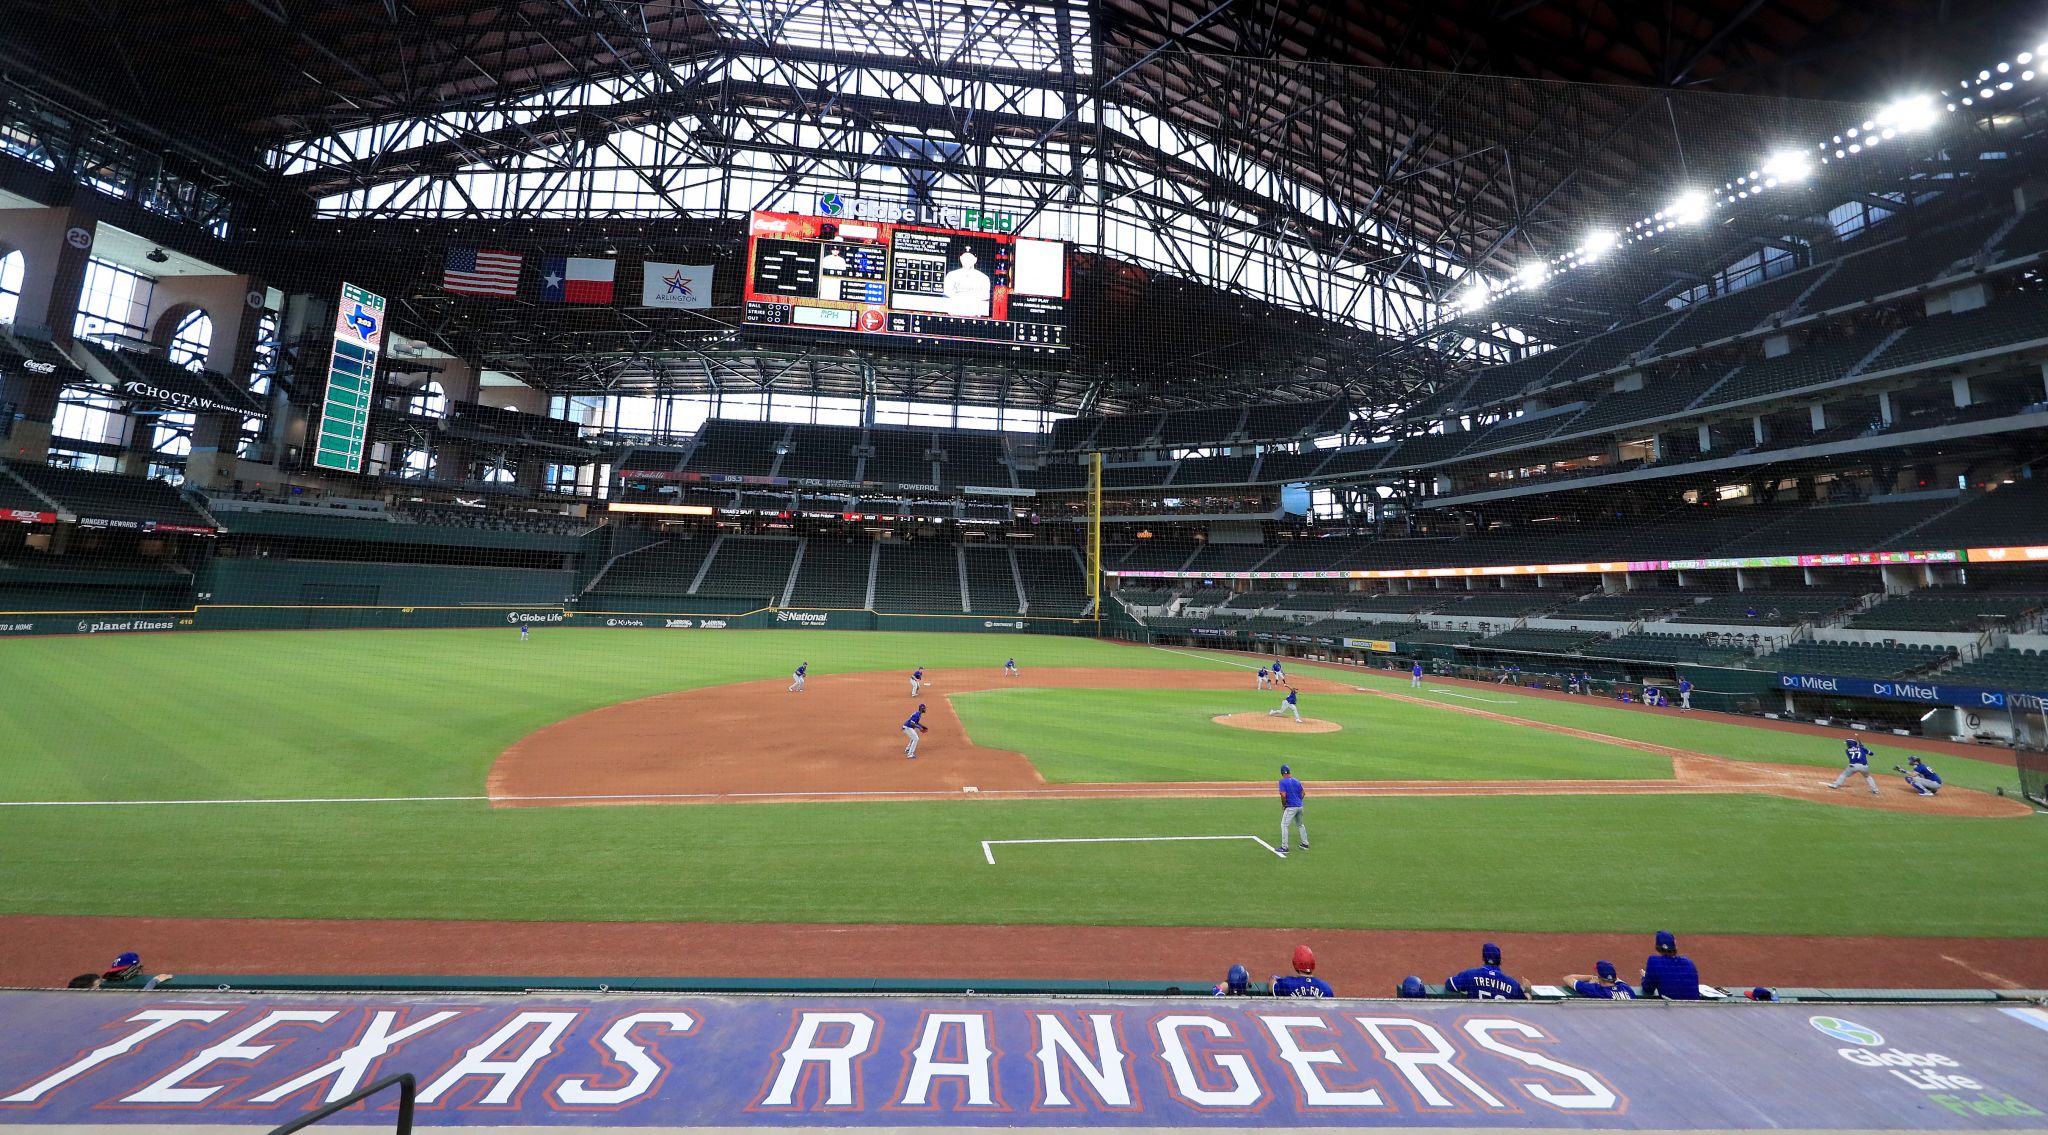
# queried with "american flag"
point(481, 272)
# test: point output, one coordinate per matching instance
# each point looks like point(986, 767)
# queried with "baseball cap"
point(920, 706)
point(131, 958)
point(1666, 940)
point(1304, 960)
point(1411, 986)
point(1490, 954)
point(1238, 978)
point(1284, 770)
point(1761, 994)
point(1604, 969)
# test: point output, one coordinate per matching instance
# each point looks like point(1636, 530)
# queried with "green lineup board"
point(351, 380)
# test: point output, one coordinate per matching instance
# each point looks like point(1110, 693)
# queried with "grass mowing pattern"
point(1078, 736)
point(415, 713)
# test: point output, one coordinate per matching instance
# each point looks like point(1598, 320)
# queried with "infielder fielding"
point(1859, 762)
point(1415, 676)
point(913, 729)
point(796, 686)
point(1291, 796)
point(1265, 678)
point(1010, 668)
point(916, 680)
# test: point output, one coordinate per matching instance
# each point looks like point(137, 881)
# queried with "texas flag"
point(576, 279)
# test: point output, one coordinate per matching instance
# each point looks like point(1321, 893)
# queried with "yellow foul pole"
point(1095, 534)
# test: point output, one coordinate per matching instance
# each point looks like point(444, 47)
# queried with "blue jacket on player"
point(1619, 991)
point(1486, 983)
point(1671, 976)
point(1301, 985)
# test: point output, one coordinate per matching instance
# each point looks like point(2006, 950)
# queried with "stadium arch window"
point(13, 267)
point(192, 340)
point(499, 475)
point(86, 414)
point(417, 464)
point(429, 401)
point(113, 301)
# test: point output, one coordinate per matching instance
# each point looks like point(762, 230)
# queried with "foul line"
point(988, 846)
point(1475, 697)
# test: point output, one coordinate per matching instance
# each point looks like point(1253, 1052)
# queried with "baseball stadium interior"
point(1613, 419)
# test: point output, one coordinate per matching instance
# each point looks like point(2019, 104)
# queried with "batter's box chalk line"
point(988, 846)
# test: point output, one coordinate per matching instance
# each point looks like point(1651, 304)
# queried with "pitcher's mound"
point(1263, 723)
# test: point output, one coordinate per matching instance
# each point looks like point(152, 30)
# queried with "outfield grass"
point(1078, 736)
point(1616, 863)
point(424, 713)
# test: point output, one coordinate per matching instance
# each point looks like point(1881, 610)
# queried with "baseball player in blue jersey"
point(1670, 974)
point(1279, 673)
point(1415, 676)
point(916, 680)
point(1265, 678)
point(1922, 779)
point(1292, 795)
point(913, 729)
point(1236, 983)
point(1290, 705)
point(796, 685)
point(1685, 695)
point(524, 633)
point(1859, 762)
point(1010, 668)
point(1486, 981)
point(1603, 984)
point(1304, 983)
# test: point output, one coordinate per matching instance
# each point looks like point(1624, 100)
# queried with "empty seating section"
point(1504, 604)
point(1405, 633)
point(914, 577)
point(1534, 639)
point(1061, 475)
point(1053, 582)
point(1628, 605)
point(825, 453)
point(1156, 555)
point(110, 496)
point(754, 568)
point(1213, 471)
point(1944, 610)
point(1510, 379)
point(900, 457)
point(1139, 596)
point(1604, 352)
point(1902, 264)
point(2005, 669)
point(1660, 395)
point(736, 447)
point(1402, 602)
point(1206, 426)
point(991, 585)
point(1279, 420)
point(1283, 467)
point(2015, 319)
point(972, 459)
point(1856, 659)
point(1423, 449)
point(1513, 432)
point(665, 568)
point(1134, 476)
point(1838, 528)
point(16, 496)
point(834, 573)
point(1069, 434)
point(1738, 311)
point(2028, 236)
point(1229, 557)
point(1666, 647)
point(1823, 360)
point(1316, 554)
point(2015, 515)
point(1315, 601)
point(1130, 431)
point(1765, 608)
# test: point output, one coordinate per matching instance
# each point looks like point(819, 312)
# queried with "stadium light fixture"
point(1688, 208)
point(1909, 114)
point(1532, 274)
point(1475, 297)
point(1786, 167)
point(1598, 243)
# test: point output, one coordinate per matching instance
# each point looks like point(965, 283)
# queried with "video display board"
point(883, 280)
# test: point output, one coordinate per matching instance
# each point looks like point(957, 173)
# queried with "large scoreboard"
point(907, 283)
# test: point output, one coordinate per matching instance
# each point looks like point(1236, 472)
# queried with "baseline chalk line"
point(988, 846)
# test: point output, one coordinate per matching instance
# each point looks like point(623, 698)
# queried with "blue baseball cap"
point(1666, 940)
point(1238, 979)
point(1604, 969)
point(1490, 954)
point(1411, 986)
point(126, 961)
point(1284, 770)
